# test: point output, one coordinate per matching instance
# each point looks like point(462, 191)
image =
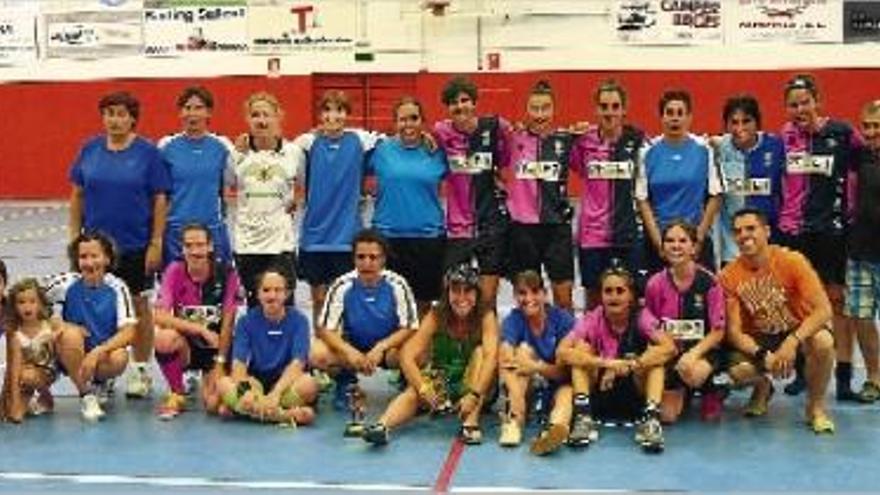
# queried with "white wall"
point(527, 34)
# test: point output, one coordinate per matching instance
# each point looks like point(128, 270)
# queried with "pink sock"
point(172, 368)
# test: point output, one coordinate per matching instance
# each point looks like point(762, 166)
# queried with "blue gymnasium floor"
point(132, 452)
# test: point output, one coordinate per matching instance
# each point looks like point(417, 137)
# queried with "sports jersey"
point(451, 354)
point(118, 190)
point(264, 182)
point(607, 215)
point(334, 171)
point(267, 346)
point(197, 167)
point(204, 302)
point(407, 195)
point(538, 192)
point(558, 323)
point(474, 200)
point(594, 329)
point(702, 301)
point(864, 233)
point(773, 300)
point(677, 179)
point(367, 314)
point(102, 310)
point(814, 185)
point(753, 179)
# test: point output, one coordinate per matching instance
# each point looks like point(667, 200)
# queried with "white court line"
point(193, 482)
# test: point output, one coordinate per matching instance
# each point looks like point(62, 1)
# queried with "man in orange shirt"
point(775, 303)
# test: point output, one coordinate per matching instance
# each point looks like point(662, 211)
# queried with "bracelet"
point(218, 359)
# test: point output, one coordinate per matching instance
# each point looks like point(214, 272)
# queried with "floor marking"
point(447, 471)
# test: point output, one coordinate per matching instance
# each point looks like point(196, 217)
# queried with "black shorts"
point(827, 254)
point(416, 260)
point(200, 357)
point(323, 267)
point(250, 266)
point(593, 261)
point(548, 245)
point(130, 268)
point(715, 357)
point(489, 249)
point(621, 403)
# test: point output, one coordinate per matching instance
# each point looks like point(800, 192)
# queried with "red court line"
point(449, 467)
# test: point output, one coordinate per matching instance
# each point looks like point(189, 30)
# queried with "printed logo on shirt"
point(805, 163)
point(472, 164)
point(544, 170)
point(768, 159)
point(749, 187)
point(765, 302)
point(610, 170)
point(685, 329)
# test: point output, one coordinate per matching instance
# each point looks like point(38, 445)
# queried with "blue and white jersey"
point(102, 310)
point(268, 347)
point(752, 178)
point(558, 323)
point(367, 314)
point(333, 172)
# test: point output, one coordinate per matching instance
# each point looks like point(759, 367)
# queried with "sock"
point(581, 403)
point(843, 376)
point(172, 368)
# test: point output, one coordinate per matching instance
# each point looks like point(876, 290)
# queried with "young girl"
point(268, 381)
point(457, 341)
point(689, 301)
point(30, 351)
point(617, 354)
point(530, 336)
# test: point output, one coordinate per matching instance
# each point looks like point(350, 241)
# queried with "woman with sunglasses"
point(617, 355)
point(449, 363)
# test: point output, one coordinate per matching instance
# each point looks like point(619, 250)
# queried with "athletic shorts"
point(250, 266)
point(827, 254)
point(130, 268)
point(200, 357)
point(323, 267)
point(593, 261)
point(862, 289)
point(416, 260)
point(489, 250)
point(769, 342)
point(623, 402)
point(715, 357)
point(547, 245)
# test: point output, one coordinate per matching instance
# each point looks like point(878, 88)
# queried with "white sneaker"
point(91, 409)
point(139, 383)
point(511, 434)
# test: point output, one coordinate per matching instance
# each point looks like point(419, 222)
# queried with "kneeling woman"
point(530, 337)
point(268, 381)
point(450, 358)
point(617, 355)
point(690, 303)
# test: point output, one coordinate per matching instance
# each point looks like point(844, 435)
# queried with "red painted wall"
point(45, 123)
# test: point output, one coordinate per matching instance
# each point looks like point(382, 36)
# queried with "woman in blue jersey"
point(197, 161)
point(268, 381)
point(820, 156)
point(264, 174)
point(677, 178)
point(408, 210)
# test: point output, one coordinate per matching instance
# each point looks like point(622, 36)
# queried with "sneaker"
point(341, 397)
point(171, 407)
point(846, 395)
point(191, 380)
point(105, 391)
point(511, 434)
point(139, 383)
point(549, 440)
point(649, 434)
point(583, 431)
point(91, 409)
point(870, 393)
point(711, 406)
point(41, 403)
point(376, 434)
point(822, 424)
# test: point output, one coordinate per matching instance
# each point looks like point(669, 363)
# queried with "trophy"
point(357, 407)
point(437, 379)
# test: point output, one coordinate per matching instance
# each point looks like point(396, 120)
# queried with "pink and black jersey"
point(538, 193)
point(817, 168)
point(205, 302)
point(608, 215)
point(679, 309)
point(475, 199)
point(594, 329)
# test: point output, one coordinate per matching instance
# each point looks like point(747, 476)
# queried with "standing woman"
point(540, 231)
point(820, 155)
point(678, 178)
point(120, 187)
point(605, 158)
point(457, 341)
point(688, 300)
point(264, 173)
point(408, 210)
point(197, 160)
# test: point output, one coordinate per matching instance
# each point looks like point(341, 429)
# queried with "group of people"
point(657, 217)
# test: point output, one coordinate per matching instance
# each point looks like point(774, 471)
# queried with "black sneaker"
point(376, 434)
point(847, 395)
